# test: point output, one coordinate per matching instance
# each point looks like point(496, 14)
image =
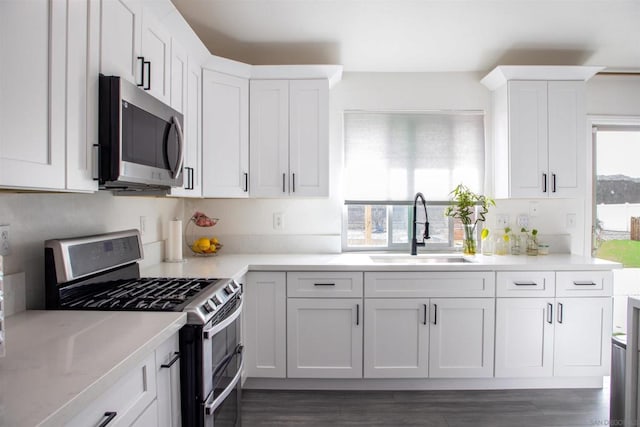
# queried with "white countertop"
point(236, 265)
point(59, 361)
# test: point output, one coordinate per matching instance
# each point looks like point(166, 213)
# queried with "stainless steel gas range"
point(102, 273)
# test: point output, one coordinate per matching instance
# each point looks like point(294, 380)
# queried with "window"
point(389, 157)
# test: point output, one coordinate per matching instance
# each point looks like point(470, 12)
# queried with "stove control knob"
point(212, 303)
point(206, 307)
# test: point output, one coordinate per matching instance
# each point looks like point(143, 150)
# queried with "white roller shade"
point(389, 156)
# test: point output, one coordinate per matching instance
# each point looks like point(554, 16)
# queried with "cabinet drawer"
point(584, 283)
point(127, 398)
point(330, 284)
point(526, 284)
point(432, 284)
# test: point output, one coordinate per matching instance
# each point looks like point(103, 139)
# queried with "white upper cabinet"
point(539, 130)
point(225, 150)
point(289, 128)
point(189, 101)
point(32, 94)
point(155, 50)
point(121, 24)
point(179, 73)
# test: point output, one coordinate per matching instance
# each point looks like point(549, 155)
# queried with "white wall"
point(36, 217)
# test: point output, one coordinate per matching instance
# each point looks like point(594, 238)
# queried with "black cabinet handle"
point(357, 314)
point(544, 182)
point(148, 64)
point(246, 182)
point(525, 283)
point(435, 314)
point(176, 357)
point(293, 182)
point(553, 182)
point(142, 62)
point(110, 416)
point(549, 312)
point(424, 319)
point(560, 312)
point(324, 284)
point(284, 177)
point(190, 181)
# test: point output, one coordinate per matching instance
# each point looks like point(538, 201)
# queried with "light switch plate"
point(523, 221)
point(502, 220)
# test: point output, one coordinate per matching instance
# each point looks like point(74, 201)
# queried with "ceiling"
point(420, 35)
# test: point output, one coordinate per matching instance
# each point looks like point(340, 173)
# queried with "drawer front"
point(516, 284)
point(430, 284)
point(127, 398)
point(584, 283)
point(330, 284)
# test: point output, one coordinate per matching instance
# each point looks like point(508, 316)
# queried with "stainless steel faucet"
point(414, 241)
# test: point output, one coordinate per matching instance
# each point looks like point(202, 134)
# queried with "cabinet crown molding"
point(503, 73)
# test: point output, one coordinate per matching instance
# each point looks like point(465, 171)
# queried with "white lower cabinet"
point(524, 337)
point(126, 401)
point(461, 337)
point(168, 381)
point(582, 336)
point(324, 338)
point(396, 338)
point(265, 324)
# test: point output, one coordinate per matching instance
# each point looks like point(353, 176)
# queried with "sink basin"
point(419, 259)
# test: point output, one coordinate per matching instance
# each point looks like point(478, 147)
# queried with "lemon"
point(214, 241)
point(484, 234)
point(203, 243)
point(195, 248)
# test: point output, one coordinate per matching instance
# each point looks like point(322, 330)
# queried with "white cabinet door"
point(83, 64)
point(32, 88)
point(269, 137)
point(168, 383)
point(324, 338)
point(121, 23)
point(528, 130)
point(567, 124)
point(156, 50)
point(524, 337)
point(192, 182)
point(225, 166)
point(178, 76)
point(396, 340)
point(309, 137)
point(582, 336)
point(461, 337)
point(265, 324)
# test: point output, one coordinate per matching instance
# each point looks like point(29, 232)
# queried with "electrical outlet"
point(502, 220)
point(278, 221)
point(571, 220)
point(523, 221)
point(143, 225)
point(4, 240)
point(534, 207)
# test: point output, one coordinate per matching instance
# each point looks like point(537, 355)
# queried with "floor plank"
point(477, 408)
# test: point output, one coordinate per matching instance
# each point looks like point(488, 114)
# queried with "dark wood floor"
point(495, 408)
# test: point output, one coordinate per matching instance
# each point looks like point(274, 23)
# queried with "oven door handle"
point(225, 362)
point(211, 331)
point(210, 407)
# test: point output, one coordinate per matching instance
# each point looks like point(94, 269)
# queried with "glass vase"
point(532, 246)
point(469, 242)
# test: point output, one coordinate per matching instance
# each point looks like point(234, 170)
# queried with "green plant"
point(462, 206)
point(530, 234)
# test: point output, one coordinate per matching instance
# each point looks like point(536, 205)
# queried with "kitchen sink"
point(419, 259)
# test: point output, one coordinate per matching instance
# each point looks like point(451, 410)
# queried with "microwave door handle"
point(178, 169)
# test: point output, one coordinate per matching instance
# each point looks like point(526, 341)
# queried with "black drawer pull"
point(176, 357)
point(324, 284)
point(357, 314)
point(584, 284)
point(110, 416)
point(525, 283)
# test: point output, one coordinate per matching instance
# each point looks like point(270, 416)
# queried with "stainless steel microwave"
point(141, 143)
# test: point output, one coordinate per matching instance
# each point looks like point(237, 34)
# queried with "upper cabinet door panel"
point(309, 137)
point(32, 94)
point(156, 49)
point(528, 136)
point(120, 39)
point(269, 138)
point(567, 130)
point(225, 135)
